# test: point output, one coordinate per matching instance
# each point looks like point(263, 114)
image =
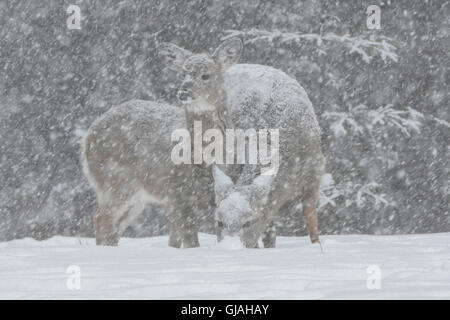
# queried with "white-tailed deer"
point(126, 153)
point(127, 159)
point(264, 97)
point(250, 96)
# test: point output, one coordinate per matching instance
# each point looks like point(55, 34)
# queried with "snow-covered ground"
point(411, 266)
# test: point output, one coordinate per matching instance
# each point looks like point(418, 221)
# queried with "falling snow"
point(380, 96)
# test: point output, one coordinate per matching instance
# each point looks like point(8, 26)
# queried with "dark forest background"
point(381, 96)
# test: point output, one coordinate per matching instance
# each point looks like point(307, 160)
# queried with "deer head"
point(202, 74)
point(239, 210)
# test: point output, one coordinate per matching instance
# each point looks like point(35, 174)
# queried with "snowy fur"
point(248, 96)
point(263, 97)
point(126, 157)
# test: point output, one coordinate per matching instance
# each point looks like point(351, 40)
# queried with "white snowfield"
point(411, 267)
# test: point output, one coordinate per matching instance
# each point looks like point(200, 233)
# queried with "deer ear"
point(221, 180)
point(173, 55)
point(228, 52)
point(264, 180)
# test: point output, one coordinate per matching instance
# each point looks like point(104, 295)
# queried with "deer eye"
point(220, 224)
point(205, 77)
point(246, 225)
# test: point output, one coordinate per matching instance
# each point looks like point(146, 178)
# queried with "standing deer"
point(126, 153)
point(254, 96)
point(127, 159)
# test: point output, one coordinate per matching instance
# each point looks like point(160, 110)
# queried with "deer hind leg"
point(270, 236)
point(109, 219)
point(310, 213)
point(106, 231)
point(312, 223)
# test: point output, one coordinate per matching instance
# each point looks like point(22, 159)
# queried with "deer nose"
point(232, 229)
point(184, 95)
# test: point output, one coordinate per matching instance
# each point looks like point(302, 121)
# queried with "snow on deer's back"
point(267, 97)
point(262, 97)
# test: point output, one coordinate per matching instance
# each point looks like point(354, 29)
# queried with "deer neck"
point(213, 113)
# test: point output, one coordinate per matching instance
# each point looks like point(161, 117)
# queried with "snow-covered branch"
point(360, 118)
point(354, 194)
point(339, 121)
point(328, 191)
point(366, 48)
point(369, 191)
point(405, 121)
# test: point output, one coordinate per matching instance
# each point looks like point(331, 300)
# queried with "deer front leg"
point(175, 237)
point(183, 229)
point(190, 232)
point(175, 240)
point(270, 236)
point(219, 232)
point(190, 239)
